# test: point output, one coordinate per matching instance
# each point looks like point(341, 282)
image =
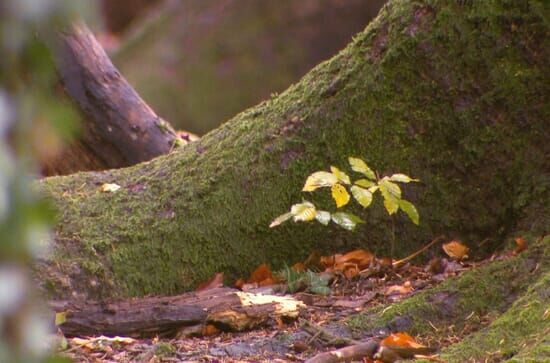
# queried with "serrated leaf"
point(346, 220)
point(303, 212)
point(60, 318)
point(319, 179)
point(365, 183)
point(342, 177)
point(410, 210)
point(340, 195)
point(280, 219)
point(402, 178)
point(323, 217)
point(361, 195)
point(360, 166)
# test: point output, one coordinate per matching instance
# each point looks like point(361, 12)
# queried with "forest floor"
point(328, 322)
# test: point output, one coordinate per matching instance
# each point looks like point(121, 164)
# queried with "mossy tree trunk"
point(454, 93)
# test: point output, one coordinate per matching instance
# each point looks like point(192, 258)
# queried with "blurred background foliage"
point(34, 122)
point(198, 63)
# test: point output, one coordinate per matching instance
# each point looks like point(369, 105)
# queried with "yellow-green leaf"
point(60, 318)
point(323, 217)
point(280, 219)
point(319, 179)
point(360, 166)
point(365, 183)
point(346, 220)
point(303, 212)
point(410, 210)
point(390, 187)
point(391, 202)
point(363, 196)
point(402, 178)
point(340, 195)
point(373, 188)
point(342, 177)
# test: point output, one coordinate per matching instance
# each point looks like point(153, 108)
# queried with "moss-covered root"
point(451, 93)
point(521, 334)
point(514, 293)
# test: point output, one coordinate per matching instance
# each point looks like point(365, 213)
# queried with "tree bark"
point(119, 128)
point(453, 93)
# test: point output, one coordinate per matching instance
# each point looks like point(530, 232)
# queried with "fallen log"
point(118, 128)
point(225, 308)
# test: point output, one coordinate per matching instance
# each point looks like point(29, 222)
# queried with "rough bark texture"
point(119, 128)
point(208, 60)
point(456, 95)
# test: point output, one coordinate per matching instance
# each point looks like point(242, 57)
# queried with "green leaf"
point(363, 196)
point(402, 178)
point(323, 217)
point(342, 177)
point(346, 220)
point(60, 318)
point(365, 183)
point(280, 219)
point(319, 179)
point(340, 195)
point(303, 212)
point(410, 210)
point(360, 166)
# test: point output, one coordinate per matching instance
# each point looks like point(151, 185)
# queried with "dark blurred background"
point(199, 62)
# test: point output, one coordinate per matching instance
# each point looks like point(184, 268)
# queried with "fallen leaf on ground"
point(109, 187)
point(401, 345)
point(262, 276)
point(214, 282)
point(362, 258)
point(521, 245)
point(456, 250)
point(399, 289)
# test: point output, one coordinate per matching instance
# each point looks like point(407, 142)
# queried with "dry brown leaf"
point(329, 261)
point(350, 271)
point(402, 340)
point(299, 267)
point(209, 330)
point(399, 289)
point(456, 250)
point(362, 258)
point(214, 282)
point(521, 245)
point(262, 276)
point(239, 283)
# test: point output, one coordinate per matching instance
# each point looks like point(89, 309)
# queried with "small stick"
point(410, 257)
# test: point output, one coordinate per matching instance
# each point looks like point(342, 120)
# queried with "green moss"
point(421, 91)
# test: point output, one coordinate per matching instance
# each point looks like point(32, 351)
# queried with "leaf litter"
point(355, 281)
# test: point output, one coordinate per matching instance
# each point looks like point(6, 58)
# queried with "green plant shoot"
point(343, 189)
